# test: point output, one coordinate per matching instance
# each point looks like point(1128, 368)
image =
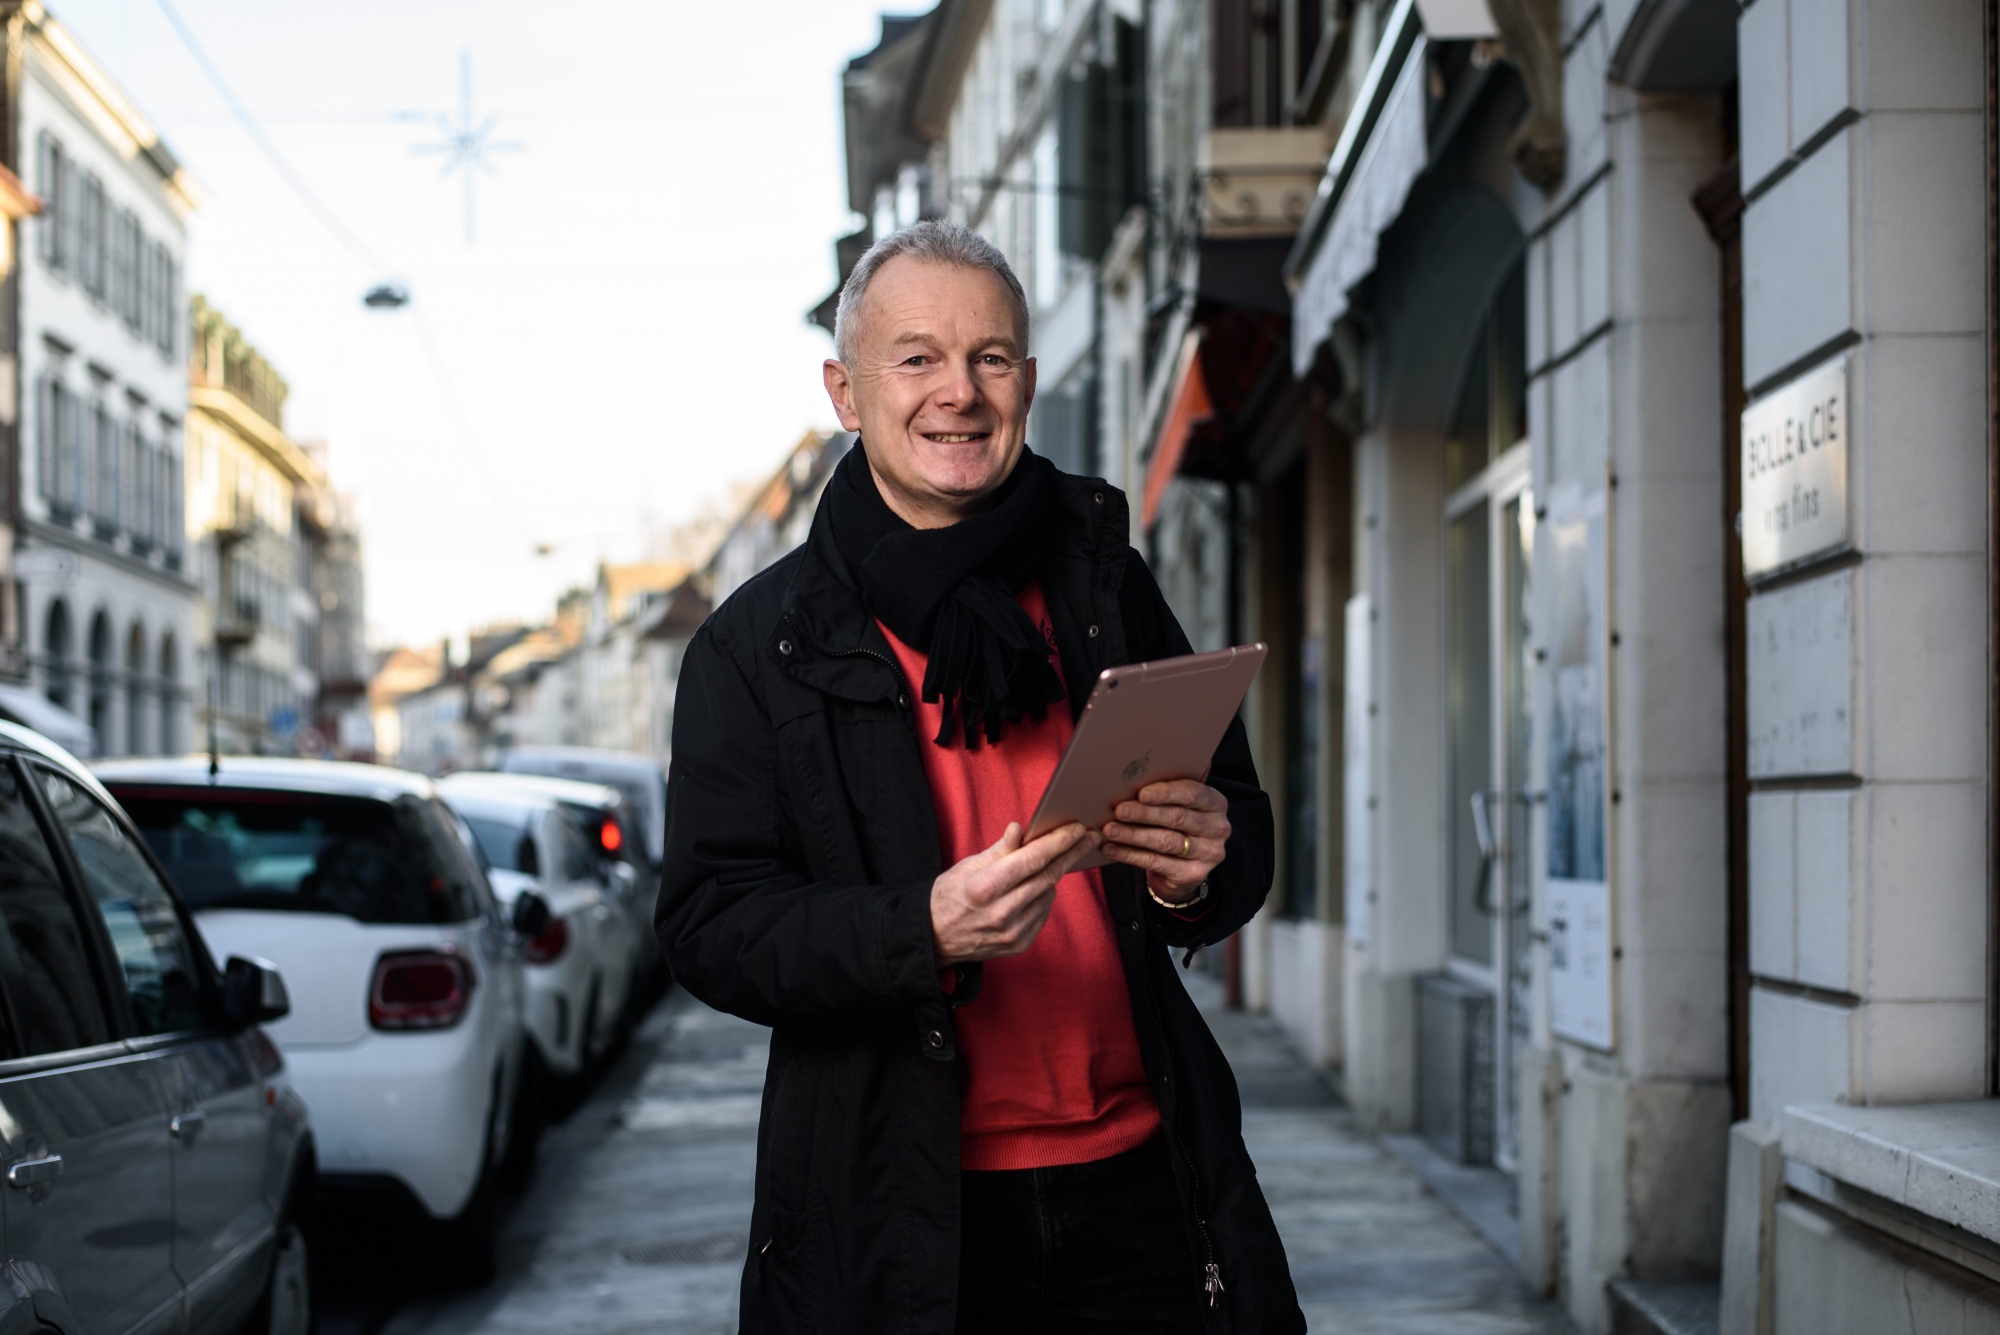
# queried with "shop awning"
point(1366, 185)
point(1188, 407)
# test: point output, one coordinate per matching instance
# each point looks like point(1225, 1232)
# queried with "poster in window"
point(1574, 569)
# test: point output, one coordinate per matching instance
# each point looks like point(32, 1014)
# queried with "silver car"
point(158, 1161)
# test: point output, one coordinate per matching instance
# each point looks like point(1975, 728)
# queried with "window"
point(145, 487)
point(59, 430)
point(52, 228)
point(52, 988)
point(63, 422)
point(124, 277)
point(147, 935)
point(105, 456)
point(173, 520)
point(92, 235)
point(163, 326)
point(375, 862)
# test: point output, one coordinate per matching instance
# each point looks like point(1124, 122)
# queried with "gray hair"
point(934, 241)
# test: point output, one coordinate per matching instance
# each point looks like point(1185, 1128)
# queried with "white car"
point(642, 792)
point(532, 844)
point(597, 813)
point(405, 1034)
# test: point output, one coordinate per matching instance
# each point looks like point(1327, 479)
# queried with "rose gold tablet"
point(1144, 723)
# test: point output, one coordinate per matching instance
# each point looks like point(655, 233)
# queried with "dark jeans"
point(1081, 1248)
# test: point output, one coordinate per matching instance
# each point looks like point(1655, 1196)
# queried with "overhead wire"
point(327, 218)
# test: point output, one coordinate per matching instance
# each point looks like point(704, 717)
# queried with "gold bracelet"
point(1201, 893)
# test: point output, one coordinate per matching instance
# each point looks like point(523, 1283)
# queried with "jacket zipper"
point(857, 651)
point(1211, 1283)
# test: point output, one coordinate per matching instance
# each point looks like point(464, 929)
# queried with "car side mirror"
point(253, 992)
point(531, 915)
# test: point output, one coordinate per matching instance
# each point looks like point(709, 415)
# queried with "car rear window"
point(509, 845)
point(375, 862)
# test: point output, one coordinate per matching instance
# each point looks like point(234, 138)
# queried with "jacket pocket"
point(779, 1296)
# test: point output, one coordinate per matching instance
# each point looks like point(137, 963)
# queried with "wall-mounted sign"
point(1571, 565)
point(1795, 471)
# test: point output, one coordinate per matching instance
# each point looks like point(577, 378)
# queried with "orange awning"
point(1188, 408)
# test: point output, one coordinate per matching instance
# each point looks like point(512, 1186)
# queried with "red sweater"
point(1050, 1058)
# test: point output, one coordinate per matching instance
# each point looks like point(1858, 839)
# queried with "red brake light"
point(610, 835)
point(550, 944)
point(419, 989)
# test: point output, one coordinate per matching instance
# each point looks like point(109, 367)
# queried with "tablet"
point(1143, 724)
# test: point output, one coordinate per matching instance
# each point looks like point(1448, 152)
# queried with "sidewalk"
point(637, 1222)
point(1373, 1252)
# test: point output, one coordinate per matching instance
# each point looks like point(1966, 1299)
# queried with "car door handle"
point(186, 1125)
point(33, 1172)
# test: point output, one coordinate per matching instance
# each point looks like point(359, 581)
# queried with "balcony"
point(1260, 182)
point(237, 623)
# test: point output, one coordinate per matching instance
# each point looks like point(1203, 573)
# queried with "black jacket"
point(801, 847)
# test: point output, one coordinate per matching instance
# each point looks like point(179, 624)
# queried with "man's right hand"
point(994, 903)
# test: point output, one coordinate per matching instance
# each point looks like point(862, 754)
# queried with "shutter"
point(133, 238)
point(72, 215)
point(46, 225)
point(171, 336)
point(90, 258)
point(176, 504)
point(109, 455)
point(143, 484)
point(128, 468)
point(143, 286)
point(87, 463)
point(45, 438)
point(73, 450)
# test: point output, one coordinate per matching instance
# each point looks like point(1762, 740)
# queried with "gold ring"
point(1187, 848)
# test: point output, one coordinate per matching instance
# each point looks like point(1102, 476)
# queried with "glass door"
point(1489, 536)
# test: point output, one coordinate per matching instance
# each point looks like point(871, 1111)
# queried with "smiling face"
point(938, 386)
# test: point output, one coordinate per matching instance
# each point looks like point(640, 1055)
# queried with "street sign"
point(1795, 471)
point(52, 563)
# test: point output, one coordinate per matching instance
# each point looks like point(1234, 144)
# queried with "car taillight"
point(419, 989)
point(550, 944)
point(610, 835)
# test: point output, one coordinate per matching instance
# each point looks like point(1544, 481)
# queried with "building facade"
point(1592, 406)
point(106, 602)
point(254, 502)
point(335, 652)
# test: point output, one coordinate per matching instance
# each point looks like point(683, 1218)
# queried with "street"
point(638, 1213)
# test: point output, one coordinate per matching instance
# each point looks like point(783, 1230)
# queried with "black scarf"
point(952, 590)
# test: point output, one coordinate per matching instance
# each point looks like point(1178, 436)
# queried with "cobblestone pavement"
point(637, 1219)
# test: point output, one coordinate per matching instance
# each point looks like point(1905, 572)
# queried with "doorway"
point(1474, 1016)
point(1490, 531)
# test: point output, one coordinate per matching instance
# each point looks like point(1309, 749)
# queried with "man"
point(991, 1105)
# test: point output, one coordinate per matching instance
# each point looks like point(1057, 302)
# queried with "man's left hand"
point(1175, 832)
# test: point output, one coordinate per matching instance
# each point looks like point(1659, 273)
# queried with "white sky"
point(627, 333)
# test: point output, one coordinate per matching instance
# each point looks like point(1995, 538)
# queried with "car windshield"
point(375, 862)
